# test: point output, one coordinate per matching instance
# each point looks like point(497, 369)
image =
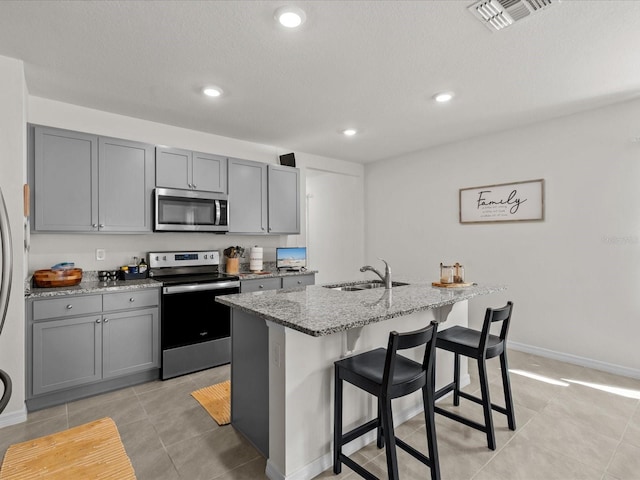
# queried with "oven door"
point(190, 314)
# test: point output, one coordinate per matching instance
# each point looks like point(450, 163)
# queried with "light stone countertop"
point(319, 311)
point(272, 274)
point(91, 284)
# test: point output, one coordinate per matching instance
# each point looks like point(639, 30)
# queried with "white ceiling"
point(371, 65)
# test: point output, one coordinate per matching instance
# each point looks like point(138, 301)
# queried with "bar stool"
point(480, 346)
point(388, 375)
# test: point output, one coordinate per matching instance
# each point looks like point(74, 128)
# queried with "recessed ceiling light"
point(212, 91)
point(349, 132)
point(443, 97)
point(290, 17)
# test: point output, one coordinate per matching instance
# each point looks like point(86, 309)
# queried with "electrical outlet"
point(101, 253)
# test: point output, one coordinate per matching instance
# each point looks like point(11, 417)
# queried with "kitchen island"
point(284, 344)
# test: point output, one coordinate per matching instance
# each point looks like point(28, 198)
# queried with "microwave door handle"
point(217, 221)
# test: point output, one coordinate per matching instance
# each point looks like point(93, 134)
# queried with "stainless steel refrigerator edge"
point(5, 288)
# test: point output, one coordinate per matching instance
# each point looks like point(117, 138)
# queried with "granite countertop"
point(91, 284)
point(272, 274)
point(318, 311)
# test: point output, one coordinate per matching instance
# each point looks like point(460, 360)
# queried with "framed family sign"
point(504, 202)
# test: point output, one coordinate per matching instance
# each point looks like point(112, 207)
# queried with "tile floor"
point(572, 423)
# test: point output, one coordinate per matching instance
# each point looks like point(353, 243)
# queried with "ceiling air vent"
point(499, 14)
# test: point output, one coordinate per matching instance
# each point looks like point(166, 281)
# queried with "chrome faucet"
point(387, 273)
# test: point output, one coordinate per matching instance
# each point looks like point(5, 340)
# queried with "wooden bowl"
point(57, 278)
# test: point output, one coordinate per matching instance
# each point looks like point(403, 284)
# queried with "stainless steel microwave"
point(190, 211)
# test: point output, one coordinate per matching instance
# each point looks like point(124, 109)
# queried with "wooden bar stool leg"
point(389, 439)
point(506, 386)
point(337, 424)
point(486, 403)
point(456, 380)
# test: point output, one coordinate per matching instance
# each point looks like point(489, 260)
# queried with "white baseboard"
point(13, 418)
point(576, 360)
point(321, 464)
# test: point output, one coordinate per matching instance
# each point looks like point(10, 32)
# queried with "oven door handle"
point(200, 287)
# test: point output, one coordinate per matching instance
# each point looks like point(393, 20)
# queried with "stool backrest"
point(493, 315)
point(403, 341)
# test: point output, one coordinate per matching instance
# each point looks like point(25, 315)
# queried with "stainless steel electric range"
point(195, 329)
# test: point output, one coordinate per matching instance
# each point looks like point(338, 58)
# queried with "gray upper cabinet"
point(284, 199)
point(177, 168)
point(247, 196)
point(125, 174)
point(86, 183)
point(263, 198)
point(65, 181)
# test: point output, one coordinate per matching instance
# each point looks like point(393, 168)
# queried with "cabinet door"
point(247, 196)
point(209, 172)
point(130, 342)
point(284, 199)
point(173, 168)
point(65, 180)
point(126, 180)
point(66, 353)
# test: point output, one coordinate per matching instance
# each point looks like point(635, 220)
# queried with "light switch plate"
point(101, 253)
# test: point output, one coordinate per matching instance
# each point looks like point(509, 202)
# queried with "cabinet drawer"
point(260, 284)
point(66, 306)
point(298, 281)
point(131, 299)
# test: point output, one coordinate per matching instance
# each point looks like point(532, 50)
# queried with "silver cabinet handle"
point(69, 307)
point(102, 225)
point(299, 282)
point(94, 225)
point(98, 321)
point(195, 187)
point(106, 320)
point(132, 299)
point(261, 286)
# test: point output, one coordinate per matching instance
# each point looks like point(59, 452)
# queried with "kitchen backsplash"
point(50, 249)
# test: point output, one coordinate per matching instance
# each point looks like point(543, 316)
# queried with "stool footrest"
point(357, 468)
point(495, 407)
point(359, 431)
point(444, 390)
point(458, 418)
point(413, 452)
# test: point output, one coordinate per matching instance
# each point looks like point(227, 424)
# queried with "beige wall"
point(575, 277)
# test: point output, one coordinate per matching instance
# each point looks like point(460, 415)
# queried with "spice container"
point(458, 275)
point(447, 273)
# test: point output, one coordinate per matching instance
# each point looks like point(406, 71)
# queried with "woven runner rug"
point(216, 400)
point(90, 451)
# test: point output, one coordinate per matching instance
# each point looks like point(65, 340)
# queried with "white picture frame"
point(503, 202)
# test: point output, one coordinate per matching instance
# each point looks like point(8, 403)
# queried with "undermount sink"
point(355, 287)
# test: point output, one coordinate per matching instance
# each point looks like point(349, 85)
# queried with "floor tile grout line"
point(626, 427)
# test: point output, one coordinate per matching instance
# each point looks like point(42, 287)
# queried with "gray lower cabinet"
point(178, 168)
point(276, 283)
point(84, 344)
point(86, 183)
point(66, 353)
point(263, 198)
